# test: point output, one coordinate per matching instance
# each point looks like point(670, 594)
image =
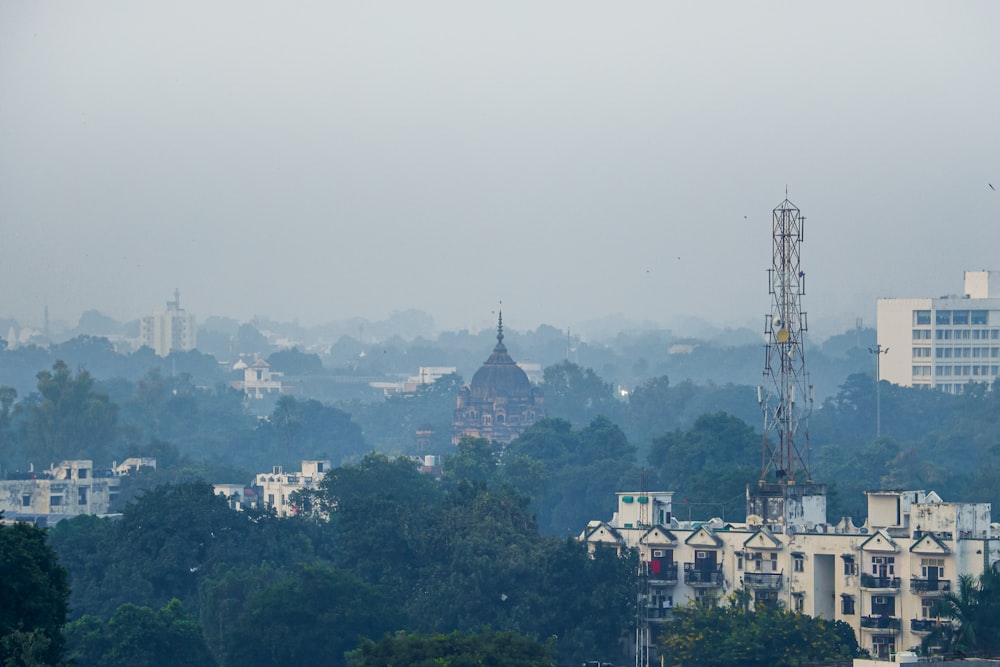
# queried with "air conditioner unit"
point(701, 554)
point(880, 599)
point(878, 560)
point(657, 553)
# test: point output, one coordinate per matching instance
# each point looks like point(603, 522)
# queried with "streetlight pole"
point(878, 351)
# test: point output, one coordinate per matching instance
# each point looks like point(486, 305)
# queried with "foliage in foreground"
point(139, 637)
point(453, 650)
point(974, 614)
point(704, 634)
point(33, 597)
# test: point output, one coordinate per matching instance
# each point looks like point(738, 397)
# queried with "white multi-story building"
point(278, 486)
point(170, 330)
point(259, 380)
point(881, 578)
point(944, 342)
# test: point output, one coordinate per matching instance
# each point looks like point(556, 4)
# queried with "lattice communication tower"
point(786, 397)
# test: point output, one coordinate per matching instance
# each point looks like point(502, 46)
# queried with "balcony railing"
point(919, 585)
point(657, 613)
point(763, 580)
point(928, 624)
point(666, 572)
point(702, 577)
point(880, 622)
point(871, 581)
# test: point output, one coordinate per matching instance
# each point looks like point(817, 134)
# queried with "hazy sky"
point(321, 160)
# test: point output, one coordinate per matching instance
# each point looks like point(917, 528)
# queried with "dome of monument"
point(499, 375)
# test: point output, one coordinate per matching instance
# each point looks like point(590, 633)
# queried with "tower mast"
point(787, 400)
point(785, 493)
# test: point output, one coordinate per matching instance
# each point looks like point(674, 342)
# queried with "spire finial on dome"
point(500, 324)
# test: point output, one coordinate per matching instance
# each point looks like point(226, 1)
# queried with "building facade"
point(259, 380)
point(500, 402)
point(882, 578)
point(944, 342)
point(66, 490)
point(277, 487)
point(170, 330)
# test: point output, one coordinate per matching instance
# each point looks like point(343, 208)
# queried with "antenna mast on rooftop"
point(786, 397)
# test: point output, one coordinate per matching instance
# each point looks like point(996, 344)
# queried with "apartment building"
point(169, 330)
point(944, 342)
point(882, 578)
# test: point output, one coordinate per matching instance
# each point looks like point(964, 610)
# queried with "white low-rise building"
point(277, 487)
point(239, 496)
point(259, 380)
point(881, 578)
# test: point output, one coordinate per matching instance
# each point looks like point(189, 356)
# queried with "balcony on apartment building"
point(923, 585)
point(768, 581)
point(704, 577)
point(927, 625)
point(872, 581)
point(880, 622)
point(663, 574)
point(657, 611)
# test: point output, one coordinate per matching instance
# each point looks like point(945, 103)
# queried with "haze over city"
point(574, 159)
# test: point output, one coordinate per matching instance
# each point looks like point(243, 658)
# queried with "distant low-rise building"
point(277, 487)
point(259, 380)
point(425, 375)
point(239, 496)
point(66, 490)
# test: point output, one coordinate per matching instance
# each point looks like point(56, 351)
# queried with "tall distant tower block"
point(169, 330)
point(785, 494)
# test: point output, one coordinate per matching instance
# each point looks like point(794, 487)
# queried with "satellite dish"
point(782, 335)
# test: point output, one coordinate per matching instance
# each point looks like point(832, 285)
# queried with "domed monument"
point(500, 402)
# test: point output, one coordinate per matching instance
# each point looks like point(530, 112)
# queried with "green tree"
point(70, 420)
point(474, 460)
point(311, 618)
point(295, 362)
point(577, 394)
point(249, 340)
point(705, 634)
point(709, 464)
point(33, 597)
point(139, 637)
point(571, 472)
point(453, 650)
point(974, 614)
point(379, 509)
point(307, 429)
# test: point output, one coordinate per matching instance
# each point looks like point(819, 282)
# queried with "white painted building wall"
point(880, 578)
point(278, 486)
point(944, 342)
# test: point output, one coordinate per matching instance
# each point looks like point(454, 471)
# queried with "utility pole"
point(878, 351)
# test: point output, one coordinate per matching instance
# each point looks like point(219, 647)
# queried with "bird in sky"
point(991, 187)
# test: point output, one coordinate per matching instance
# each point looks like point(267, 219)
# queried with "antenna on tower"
point(786, 400)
